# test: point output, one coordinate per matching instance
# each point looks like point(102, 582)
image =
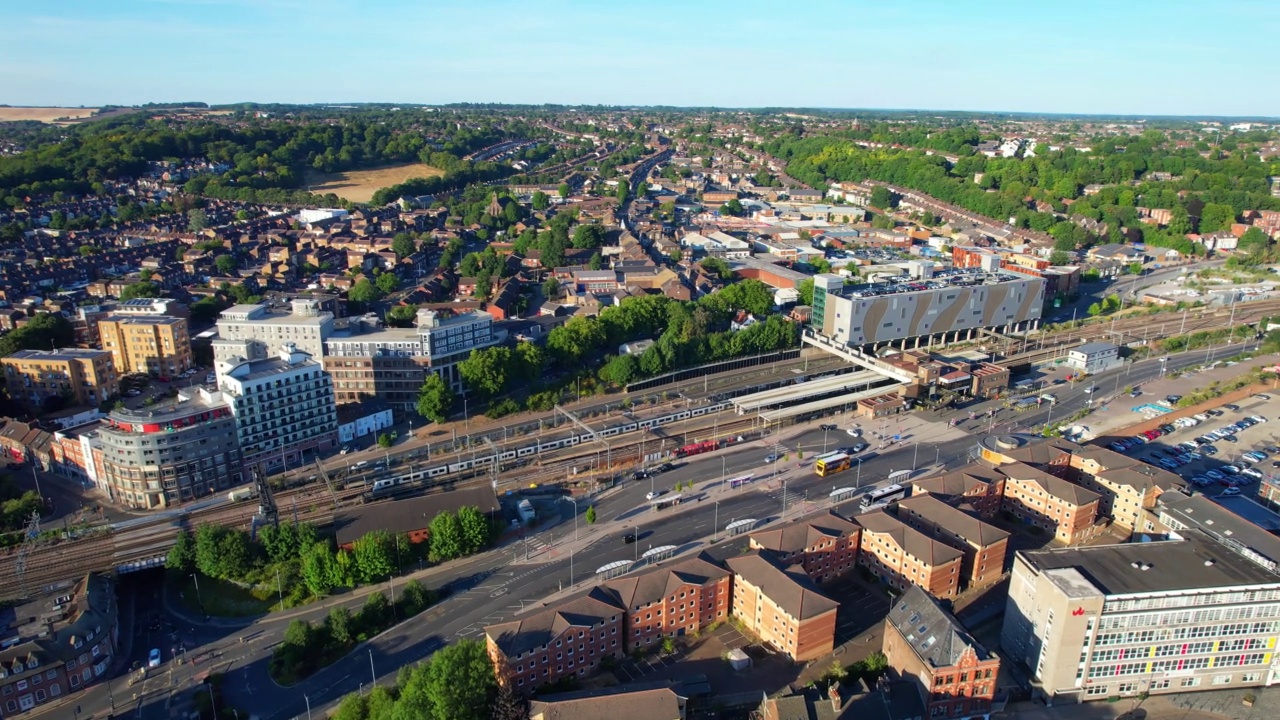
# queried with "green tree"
point(87, 250)
point(140, 290)
point(363, 292)
point(372, 553)
point(446, 538)
point(588, 236)
point(402, 316)
point(1094, 310)
point(540, 200)
point(339, 626)
point(1215, 217)
point(881, 198)
point(435, 399)
point(486, 370)
point(197, 220)
point(595, 262)
point(415, 597)
point(225, 263)
point(551, 288)
point(732, 208)
point(620, 370)
point(564, 190)
point(528, 362)
point(1059, 257)
point(509, 705)
point(457, 684)
point(590, 516)
point(375, 614)
point(318, 570)
point(384, 440)
point(717, 266)
point(182, 556)
point(388, 283)
point(1134, 268)
point(475, 528)
point(805, 288)
point(403, 245)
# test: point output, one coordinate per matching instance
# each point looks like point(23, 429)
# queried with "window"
point(1094, 690)
point(1189, 682)
point(1221, 679)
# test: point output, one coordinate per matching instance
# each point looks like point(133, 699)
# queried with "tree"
point(415, 598)
point(588, 236)
point(1059, 257)
point(564, 190)
point(403, 245)
point(805, 288)
point(338, 625)
point(182, 556)
point(457, 684)
point(384, 440)
point(476, 530)
point(881, 198)
point(363, 292)
point(595, 262)
point(402, 316)
point(732, 208)
point(551, 288)
point(1215, 217)
point(540, 200)
point(620, 370)
point(1094, 310)
point(87, 250)
point(140, 290)
point(509, 705)
point(1091, 275)
point(446, 538)
point(1254, 241)
point(717, 266)
point(375, 612)
point(226, 264)
point(197, 219)
point(372, 553)
point(621, 193)
point(318, 569)
point(590, 516)
point(388, 283)
point(435, 399)
point(485, 370)
point(1134, 268)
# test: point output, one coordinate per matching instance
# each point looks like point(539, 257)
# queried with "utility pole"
point(372, 674)
point(715, 531)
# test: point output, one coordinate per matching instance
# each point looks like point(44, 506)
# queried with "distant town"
point(549, 412)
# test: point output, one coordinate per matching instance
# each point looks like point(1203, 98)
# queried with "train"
point(244, 493)
point(391, 486)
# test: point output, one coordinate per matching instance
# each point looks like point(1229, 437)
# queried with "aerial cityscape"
point(460, 362)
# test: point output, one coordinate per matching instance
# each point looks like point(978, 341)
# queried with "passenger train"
point(386, 487)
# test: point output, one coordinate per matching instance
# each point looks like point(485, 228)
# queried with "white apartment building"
point(1189, 613)
point(253, 332)
point(284, 407)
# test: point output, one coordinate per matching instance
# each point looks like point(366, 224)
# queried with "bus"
point(882, 497)
point(832, 463)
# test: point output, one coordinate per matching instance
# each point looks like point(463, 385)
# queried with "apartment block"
point(825, 544)
point(1064, 509)
point(1185, 614)
point(984, 546)
point(283, 407)
point(924, 645)
point(565, 639)
point(902, 556)
point(782, 606)
point(254, 332)
point(674, 600)
point(75, 376)
point(156, 345)
point(651, 701)
point(973, 488)
point(1128, 486)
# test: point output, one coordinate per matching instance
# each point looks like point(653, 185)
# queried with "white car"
point(1251, 473)
point(1227, 492)
point(854, 432)
point(653, 494)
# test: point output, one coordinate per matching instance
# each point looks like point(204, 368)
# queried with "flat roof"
point(1195, 562)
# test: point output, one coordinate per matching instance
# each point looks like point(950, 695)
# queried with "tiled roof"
point(790, 590)
point(615, 703)
point(959, 482)
point(542, 625)
point(804, 532)
point(933, 634)
point(968, 527)
point(644, 588)
point(1055, 486)
point(912, 541)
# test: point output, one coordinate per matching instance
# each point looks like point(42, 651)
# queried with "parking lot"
point(1224, 451)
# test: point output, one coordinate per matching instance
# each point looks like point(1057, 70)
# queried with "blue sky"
point(1084, 56)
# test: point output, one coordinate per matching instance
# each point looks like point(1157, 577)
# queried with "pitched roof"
point(1142, 476)
point(1043, 453)
point(789, 589)
point(933, 634)
point(959, 482)
point(632, 702)
point(644, 588)
point(541, 625)
point(1052, 484)
point(968, 527)
point(804, 532)
point(912, 541)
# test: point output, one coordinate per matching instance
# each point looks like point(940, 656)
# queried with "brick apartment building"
point(903, 556)
point(1066, 510)
point(566, 639)
point(77, 375)
point(782, 606)
point(984, 545)
point(825, 544)
point(973, 488)
point(682, 598)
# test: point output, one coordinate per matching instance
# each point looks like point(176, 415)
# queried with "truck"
point(244, 493)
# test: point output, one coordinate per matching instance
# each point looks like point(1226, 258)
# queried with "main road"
point(497, 585)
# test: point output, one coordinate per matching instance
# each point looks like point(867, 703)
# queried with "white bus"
point(882, 497)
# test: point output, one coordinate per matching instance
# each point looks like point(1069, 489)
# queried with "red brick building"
point(984, 546)
point(825, 544)
point(782, 606)
point(902, 556)
point(974, 488)
point(674, 600)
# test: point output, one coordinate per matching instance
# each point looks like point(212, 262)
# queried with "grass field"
point(43, 114)
point(360, 185)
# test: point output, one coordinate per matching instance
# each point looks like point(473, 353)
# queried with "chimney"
point(833, 692)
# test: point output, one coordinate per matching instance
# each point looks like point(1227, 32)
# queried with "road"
point(495, 586)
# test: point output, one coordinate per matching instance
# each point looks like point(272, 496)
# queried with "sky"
point(1142, 57)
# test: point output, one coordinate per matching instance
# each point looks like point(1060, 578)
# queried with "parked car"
point(153, 658)
point(1230, 491)
point(827, 426)
point(1251, 473)
point(854, 432)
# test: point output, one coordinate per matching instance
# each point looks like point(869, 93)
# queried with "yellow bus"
point(832, 463)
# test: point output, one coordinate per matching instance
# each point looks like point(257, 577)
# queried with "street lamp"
point(308, 699)
point(637, 542)
point(575, 517)
point(195, 578)
point(715, 529)
point(373, 676)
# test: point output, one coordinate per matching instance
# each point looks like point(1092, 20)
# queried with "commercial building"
point(943, 305)
point(57, 644)
point(924, 645)
point(566, 639)
point(984, 546)
point(782, 606)
point(825, 544)
point(283, 407)
point(1180, 615)
point(75, 376)
point(1063, 509)
point(152, 344)
point(1092, 358)
point(674, 600)
point(175, 452)
point(254, 332)
point(902, 556)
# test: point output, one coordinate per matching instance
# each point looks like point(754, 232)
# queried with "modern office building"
point(941, 304)
point(283, 406)
point(157, 345)
point(76, 376)
point(254, 332)
point(167, 454)
point(1195, 612)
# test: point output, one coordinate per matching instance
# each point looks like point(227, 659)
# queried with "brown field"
point(360, 185)
point(43, 114)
